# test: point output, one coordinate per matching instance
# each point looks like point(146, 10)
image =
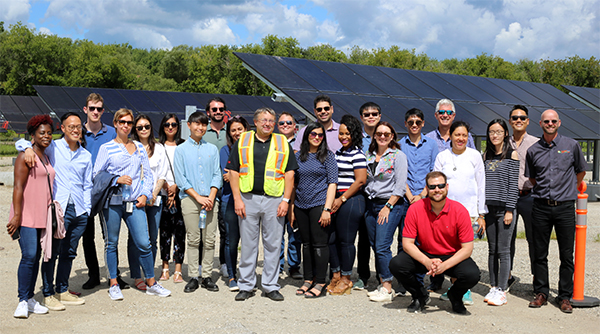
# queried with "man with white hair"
point(445, 114)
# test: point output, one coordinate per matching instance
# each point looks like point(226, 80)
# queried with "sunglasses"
point(314, 134)
point(516, 118)
point(321, 109)
point(369, 114)
point(100, 109)
point(447, 112)
point(171, 125)
point(286, 122)
point(383, 134)
point(122, 122)
point(547, 121)
point(217, 109)
point(433, 186)
point(143, 127)
point(411, 123)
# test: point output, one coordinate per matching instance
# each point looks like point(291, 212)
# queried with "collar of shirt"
point(553, 143)
point(195, 143)
point(103, 129)
point(209, 128)
point(445, 209)
point(407, 140)
point(334, 126)
point(371, 156)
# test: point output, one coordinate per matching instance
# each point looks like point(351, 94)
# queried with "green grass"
point(597, 237)
point(521, 235)
point(8, 150)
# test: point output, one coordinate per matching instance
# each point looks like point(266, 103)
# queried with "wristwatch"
point(287, 200)
point(343, 198)
point(327, 209)
point(389, 206)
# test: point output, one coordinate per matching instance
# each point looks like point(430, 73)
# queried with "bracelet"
point(389, 206)
point(327, 210)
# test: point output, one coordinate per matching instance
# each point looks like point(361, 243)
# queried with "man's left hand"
point(282, 209)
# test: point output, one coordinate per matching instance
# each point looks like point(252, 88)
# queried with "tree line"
point(30, 58)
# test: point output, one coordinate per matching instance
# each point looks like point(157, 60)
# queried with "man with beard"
point(323, 109)
point(555, 166)
point(445, 243)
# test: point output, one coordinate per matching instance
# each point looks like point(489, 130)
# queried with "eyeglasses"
point(285, 122)
point(496, 133)
point(72, 128)
point(369, 114)
point(547, 121)
point(100, 109)
point(433, 186)
point(143, 127)
point(447, 112)
point(171, 125)
point(122, 122)
point(383, 134)
point(411, 123)
point(215, 109)
point(314, 134)
point(265, 121)
point(516, 118)
point(321, 109)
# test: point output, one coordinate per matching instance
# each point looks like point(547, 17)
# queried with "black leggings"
point(172, 228)
point(315, 248)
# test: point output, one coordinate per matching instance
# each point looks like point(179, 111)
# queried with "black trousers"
point(89, 250)
point(315, 243)
point(405, 269)
point(562, 218)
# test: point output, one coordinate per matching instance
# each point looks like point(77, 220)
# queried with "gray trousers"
point(499, 240)
point(524, 207)
point(260, 209)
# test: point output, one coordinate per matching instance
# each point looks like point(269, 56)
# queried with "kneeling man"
point(437, 240)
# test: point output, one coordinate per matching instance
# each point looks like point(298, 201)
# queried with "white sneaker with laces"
point(376, 291)
point(35, 307)
point(490, 294)
point(382, 296)
point(158, 290)
point(21, 311)
point(498, 299)
point(115, 292)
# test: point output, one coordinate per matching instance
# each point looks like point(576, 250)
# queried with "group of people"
point(326, 185)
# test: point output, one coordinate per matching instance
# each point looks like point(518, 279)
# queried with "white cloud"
point(45, 31)
point(213, 31)
point(12, 11)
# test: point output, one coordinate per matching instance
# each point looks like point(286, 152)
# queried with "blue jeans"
point(138, 230)
point(66, 250)
point(232, 241)
point(343, 234)
point(29, 266)
point(153, 214)
point(294, 244)
point(381, 236)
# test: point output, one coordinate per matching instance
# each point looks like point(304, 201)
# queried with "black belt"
point(549, 202)
point(524, 192)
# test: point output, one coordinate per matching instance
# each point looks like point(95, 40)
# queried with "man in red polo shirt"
point(437, 240)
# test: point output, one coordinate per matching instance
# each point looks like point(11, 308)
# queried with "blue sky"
point(511, 29)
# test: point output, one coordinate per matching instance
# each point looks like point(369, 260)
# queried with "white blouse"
point(159, 164)
point(466, 178)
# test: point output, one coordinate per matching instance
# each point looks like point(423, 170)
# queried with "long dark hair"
point(235, 119)
point(162, 136)
point(64, 117)
point(392, 144)
point(490, 150)
point(355, 129)
point(151, 139)
point(305, 145)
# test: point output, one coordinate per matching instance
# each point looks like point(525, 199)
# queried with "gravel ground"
point(217, 312)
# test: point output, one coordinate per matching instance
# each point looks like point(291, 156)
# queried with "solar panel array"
point(478, 100)
point(154, 104)
point(15, 111)
point(590, 95)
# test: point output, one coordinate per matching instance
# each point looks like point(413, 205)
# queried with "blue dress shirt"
point(197, 167)
point(420, 159)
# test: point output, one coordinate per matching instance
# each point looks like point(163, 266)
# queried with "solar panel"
point(343, 74)
point(11, 113)
point(486, 85)
point(139, 100)
point(380, 80)
point(315, 76)
point(477, 115)
point(57, 99)
point(510, 87)
point(591, 95)
point(444, 88)
point(535, 114)
point(113, 101)
point(562, 96)
point(164, 101)
point(275, 72)
point(78, 95)
point(464, 85)
point(539, 93)
point(406, 79)
point(27, 106)
point(184, 99)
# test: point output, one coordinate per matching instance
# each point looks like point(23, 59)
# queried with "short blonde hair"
point(121, 113)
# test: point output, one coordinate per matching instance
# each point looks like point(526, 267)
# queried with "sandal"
point(318, 287)
point(177, 277)
point(141, 285)
point(307, 284)
point(165, 274)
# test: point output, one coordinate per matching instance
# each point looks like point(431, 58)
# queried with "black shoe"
point(457, 304)
point(91, 283)
point(511, 281)
point(191, 286)
point(275, 295)
point(418, 306)
point(436, 283)
point(243, 295)
point(295, 273)
point(208, 284)
point(122, 284)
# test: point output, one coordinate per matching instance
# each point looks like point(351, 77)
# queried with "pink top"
point(36, 196)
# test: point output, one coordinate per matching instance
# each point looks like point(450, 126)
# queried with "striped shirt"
point(114, 158)
point(348, 162)
point(502, 181)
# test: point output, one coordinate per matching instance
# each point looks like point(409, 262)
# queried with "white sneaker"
point(158, 290)
point(490, 294)
point(35, 307)
point(376, 291)
point(224, 272)
point(68, 298)
point(21, 311)
point(382, 296)
point(498, 299)
point(115, 292)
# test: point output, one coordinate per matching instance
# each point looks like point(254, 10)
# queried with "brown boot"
point(343, 287)
point(334, 281)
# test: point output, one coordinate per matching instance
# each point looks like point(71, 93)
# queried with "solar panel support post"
point(185, 131)
point(578, 98)
point(596, 163)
